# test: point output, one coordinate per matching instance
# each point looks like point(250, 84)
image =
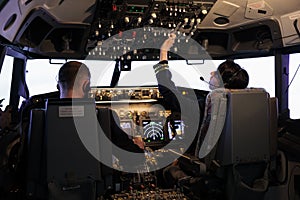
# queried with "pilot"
point(233, 77)
point(228, 72)
point(69, 88)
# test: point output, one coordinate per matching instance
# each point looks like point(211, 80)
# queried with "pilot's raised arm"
point(177, 103)
point(167, 87)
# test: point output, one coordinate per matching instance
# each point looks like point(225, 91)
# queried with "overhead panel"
point(135, 29)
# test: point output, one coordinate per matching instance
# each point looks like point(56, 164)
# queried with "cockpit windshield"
point(41, 75)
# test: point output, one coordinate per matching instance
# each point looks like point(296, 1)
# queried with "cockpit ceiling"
point(135, 29)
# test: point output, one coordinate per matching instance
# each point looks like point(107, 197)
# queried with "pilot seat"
point(240, 146)
point(64, 151)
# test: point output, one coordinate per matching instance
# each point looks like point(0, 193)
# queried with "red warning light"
point(114, 7)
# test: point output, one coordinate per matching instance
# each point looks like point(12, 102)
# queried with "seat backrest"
point(70, 126)
point(67, 136)
point(35, 156)
point(246, 133)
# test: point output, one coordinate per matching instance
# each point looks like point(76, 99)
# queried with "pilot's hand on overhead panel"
point(165, 47)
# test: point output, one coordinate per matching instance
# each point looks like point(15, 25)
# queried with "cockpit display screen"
point(153, 130)
point(176, 129)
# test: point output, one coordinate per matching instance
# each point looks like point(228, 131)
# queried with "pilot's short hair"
point(70, 70)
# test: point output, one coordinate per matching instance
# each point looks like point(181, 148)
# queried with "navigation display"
point(153, 130)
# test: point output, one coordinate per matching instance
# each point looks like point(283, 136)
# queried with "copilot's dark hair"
point(233, 76)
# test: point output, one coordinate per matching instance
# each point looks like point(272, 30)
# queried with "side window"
point(40, 76)
point(5, 80)
point(261, 72)
point(294, 88)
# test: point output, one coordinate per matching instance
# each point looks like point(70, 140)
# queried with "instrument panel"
point(143, 112)
point(140, 110)
point(159, 194)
